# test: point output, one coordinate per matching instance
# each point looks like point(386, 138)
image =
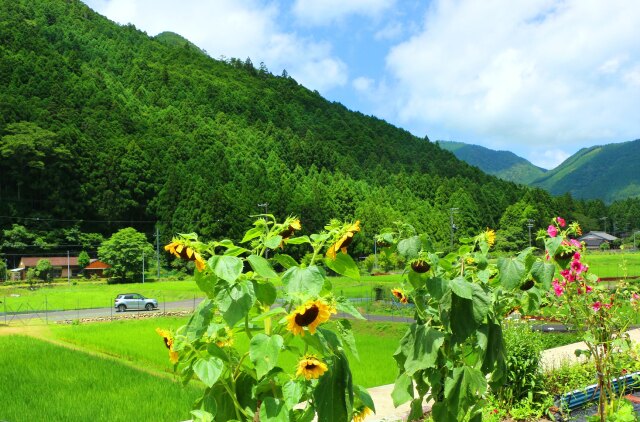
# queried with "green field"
point(609, 264)
point(41, 381)
point(138, 343)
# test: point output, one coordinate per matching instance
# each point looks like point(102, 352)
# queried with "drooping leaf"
point(491, 341)
point(252, 234)
point(226, 267)
point(437, 287)
point(236, 302)
point(274, 410)
point(266, 293)
point(306, 281)
point(273, 242)
point(410, 248)
point(292, 392)
point(206, 282)
point(462, 324)
point(199, 320)
point(208, 369)
point(344, 265)
point(346, 335)
point(334, 392)
point(285, 260)
point(465, 386)
point(542, 273)
point(363, 395)
point(264, 351)
point(481, 301)
point(421, 345)
point(402, 390)
point(261, 266)
point(512, 271)
point(298, 240)
point(461, 288)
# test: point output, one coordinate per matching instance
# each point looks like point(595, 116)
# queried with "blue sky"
point(540, 78)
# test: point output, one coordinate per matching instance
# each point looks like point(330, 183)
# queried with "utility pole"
point(453, 226)
point(143, 266)
point(158, 251)
point(530, 226)
point(68, 269)
point(375, 253)
point(266, 211)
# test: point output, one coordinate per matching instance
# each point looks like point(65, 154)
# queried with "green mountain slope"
point(608, 172)
point(503, 164)
point(101, 123)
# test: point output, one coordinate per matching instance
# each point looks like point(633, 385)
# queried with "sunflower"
point(293, 226)
point(311, 367)
point(225, 339)
point(399, 294)
point(168, 341)
point(490, 236)
point(310, 315)
point(344, 241)
point(180, 249)
point(361, 413)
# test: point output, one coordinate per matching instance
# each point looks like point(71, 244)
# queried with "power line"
point(77, 220)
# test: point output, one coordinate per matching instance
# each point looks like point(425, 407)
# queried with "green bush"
point(524, 378)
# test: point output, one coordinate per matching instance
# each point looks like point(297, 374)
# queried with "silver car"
point(134, 301)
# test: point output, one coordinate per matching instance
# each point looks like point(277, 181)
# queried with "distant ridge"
point(503, 164)
point(608, 172)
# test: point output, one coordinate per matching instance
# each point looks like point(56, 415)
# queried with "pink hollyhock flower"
point(557, 288)
point(575, 243)
point(578, 267)
point(561, 221)
point(576, 256)
point(596, 306)
point(552, 231)
point(588, 288)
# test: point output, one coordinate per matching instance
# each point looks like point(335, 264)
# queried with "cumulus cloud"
point(523, 73)
point(548, 158)
point(323, 12)
point(235, 28)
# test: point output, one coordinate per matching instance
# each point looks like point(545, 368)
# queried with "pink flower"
point(557, 287)
point(596, 306)
point(575, 243)
point(552, 231)
point(588, 288)
point(546, 256)
point(635, 297)
point(576, 256)
point(608, 305)
point(561, 221)
point(578, 267)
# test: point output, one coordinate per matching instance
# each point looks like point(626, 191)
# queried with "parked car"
point(134, 301)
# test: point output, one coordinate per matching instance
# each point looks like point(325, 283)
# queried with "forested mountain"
point(503, 164)
point(609, 172)
point(102, 126)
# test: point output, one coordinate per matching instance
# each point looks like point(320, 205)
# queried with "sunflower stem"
point(246, 326)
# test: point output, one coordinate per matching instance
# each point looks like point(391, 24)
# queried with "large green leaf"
point(462, 323)
point(346, 335)
point(273, 242)
point(307, 281)
point(491, 342)
point(344, 265)
point(402, 390)
point(266, 293)
point(552, 244)
point(542, 272)
point(512, 271)
point(206, 282)
point(226, 267)
point(463, 388)
point(208, 369)
point(285, 260)
point(437, 287)
point(298, 240)
point(363, 395)
point(292, 392)
point(410, 248)
point(461, 288)
point(261, 266)
point(274, 410)
point(264, 352)
point(252, 234)
point(481, 302)
point(235, 302)
point(421, 346)
point(199, 320)
point(334, 393)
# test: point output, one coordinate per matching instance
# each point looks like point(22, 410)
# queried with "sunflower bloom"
point(360, 414)
point(344, 241)
point(181, 250)
point(310, 315)
point(311, 367)
point(491, 237)
point(225, 340)
point(399, 294)
point(168, 341)
point(293, 227)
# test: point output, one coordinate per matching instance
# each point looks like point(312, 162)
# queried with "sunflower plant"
point(260, 312)
point(455, 350)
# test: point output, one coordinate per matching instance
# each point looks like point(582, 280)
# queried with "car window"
point(136, 297)
point(128, 297)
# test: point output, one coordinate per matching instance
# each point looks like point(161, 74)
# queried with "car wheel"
point(122, 308)
point(148, 307)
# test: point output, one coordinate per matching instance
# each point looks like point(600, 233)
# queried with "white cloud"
point(241, 29)
point(363, 84)
point(323, 12)
point(508, 73)
point(548, 159)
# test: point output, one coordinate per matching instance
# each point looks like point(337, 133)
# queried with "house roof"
point(602, 235)
point(97, 265)
point(56, 261)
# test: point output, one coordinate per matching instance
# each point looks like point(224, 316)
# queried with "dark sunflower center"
point(347, 242)
point(166, 342)
point(310, 366)
point(307, 317)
